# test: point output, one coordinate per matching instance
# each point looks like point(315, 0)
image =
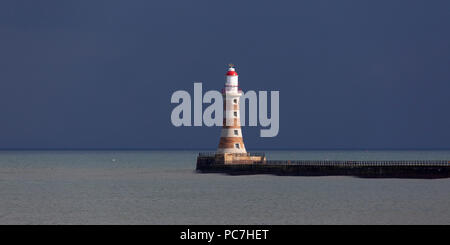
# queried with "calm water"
point(140, 187)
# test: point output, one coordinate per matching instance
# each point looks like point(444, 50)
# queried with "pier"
point(232, 157)
point(207, 163)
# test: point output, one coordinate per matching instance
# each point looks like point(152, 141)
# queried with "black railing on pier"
point(209, 158)
point(369, 163)
point(211, 154)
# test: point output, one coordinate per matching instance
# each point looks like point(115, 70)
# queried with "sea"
point(162, 187)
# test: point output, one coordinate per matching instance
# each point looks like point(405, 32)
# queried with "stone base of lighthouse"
point(238, 158)
point(211, 158)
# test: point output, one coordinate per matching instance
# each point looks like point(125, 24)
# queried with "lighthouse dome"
point(231, 72)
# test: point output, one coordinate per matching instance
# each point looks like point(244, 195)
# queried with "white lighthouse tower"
point(231, 140)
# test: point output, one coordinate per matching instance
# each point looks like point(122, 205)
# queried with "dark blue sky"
point(99, 74)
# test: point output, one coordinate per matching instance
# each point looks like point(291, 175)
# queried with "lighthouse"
point(231, 148)
point(231, 140)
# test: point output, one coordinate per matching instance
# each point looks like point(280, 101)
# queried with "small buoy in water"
point(113, 160)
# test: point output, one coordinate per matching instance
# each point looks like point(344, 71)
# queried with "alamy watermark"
point(213, 114)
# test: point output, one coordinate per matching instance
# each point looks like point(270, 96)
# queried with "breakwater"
point(366, 169)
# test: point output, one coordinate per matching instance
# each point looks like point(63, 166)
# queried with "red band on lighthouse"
point(232, 73)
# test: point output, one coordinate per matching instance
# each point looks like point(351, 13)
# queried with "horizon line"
point(214, 149)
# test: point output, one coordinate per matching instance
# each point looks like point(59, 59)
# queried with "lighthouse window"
point(235, 113)
point(235, 101)
point(237, 146)
point(236, 132)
